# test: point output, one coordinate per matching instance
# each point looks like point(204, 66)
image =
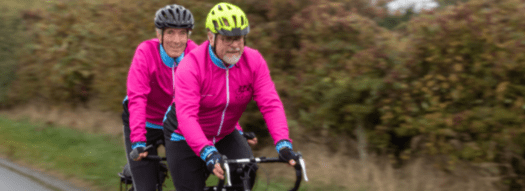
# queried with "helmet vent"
point(234, 21)
point(242, 21)
point(229, 8)
point(213, 12)
point(219, 7)
point(225, 22)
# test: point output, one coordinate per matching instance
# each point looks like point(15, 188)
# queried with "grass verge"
point(95, 159)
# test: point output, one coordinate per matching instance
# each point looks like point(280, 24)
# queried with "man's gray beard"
point(232, 60)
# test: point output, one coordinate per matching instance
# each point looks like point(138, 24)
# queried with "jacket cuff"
point(207, 150)
point(138, 144)
point(283, 143)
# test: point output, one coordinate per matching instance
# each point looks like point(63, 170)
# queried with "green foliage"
point(393, 21)
point(9, 40)
point(466, 84)
point(341, 65)
point(447, 83)
point(83, 51)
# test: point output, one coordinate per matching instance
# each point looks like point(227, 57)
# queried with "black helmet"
point(174, 16)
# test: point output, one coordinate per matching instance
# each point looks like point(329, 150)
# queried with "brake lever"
point(303, 166)
point(227, 169)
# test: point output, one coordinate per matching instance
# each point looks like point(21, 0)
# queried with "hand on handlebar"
point(141, 156)
point(213, 163)
point(252, 142)
point(287, 154)
point(250, 138)
point(139, 153)
point(218, 171)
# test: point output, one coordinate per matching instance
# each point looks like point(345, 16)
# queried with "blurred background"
point(380, 95)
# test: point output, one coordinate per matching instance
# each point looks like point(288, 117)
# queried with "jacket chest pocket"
point(242, 93)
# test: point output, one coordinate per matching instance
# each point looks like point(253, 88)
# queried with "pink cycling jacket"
point(210, 99)
point(149, 88)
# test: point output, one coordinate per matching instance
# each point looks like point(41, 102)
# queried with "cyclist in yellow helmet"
point(213, 86)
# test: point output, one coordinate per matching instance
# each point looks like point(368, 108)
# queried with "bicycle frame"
point(155, 158)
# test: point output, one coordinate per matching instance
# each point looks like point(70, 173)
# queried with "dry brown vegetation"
point(448, 85)
point(340, 168)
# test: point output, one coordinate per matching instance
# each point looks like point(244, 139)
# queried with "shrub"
point(464, 91)
point(10, 40)
point(82, 51)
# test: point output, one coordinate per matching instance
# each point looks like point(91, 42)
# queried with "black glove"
point(249, 135)
point(287, 154)
point(134, 154)
point(213, 158)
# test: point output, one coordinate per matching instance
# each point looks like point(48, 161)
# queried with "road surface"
point(14, 177)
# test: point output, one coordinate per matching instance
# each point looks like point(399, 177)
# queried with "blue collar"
point(218, 62)
point(168, 61)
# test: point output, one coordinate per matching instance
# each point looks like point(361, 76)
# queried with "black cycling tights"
point(144, 173)
point(189, 171)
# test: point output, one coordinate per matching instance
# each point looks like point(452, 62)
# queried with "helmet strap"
point(162, 37)
point(215, 44)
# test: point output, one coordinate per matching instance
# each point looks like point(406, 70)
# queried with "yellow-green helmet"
point(215, 21)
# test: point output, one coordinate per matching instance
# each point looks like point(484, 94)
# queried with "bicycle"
point(161, 168)
point(244, 166)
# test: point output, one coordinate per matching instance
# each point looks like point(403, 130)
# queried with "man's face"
point(229, 48)
point(174, 41)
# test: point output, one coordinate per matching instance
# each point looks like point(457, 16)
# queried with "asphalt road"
point(14, 177)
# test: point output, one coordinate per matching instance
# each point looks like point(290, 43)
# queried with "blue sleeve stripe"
point(153, 126)
point(125, 99)
point(177, 137)
point(206, 151)
point(138, 144)
point(283, 143)
point(166, 114)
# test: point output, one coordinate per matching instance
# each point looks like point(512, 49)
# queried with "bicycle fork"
point(245, 169)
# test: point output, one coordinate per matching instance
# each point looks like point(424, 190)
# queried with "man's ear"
point(211, 38)
point(159, 35)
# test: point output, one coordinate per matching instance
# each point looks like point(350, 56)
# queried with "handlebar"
point(154, 158)
point(134, 154)
point(300, 168)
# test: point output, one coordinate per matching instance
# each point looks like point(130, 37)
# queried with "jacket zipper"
point(227, 103)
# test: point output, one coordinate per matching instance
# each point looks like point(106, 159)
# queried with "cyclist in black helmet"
point(150, 89)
